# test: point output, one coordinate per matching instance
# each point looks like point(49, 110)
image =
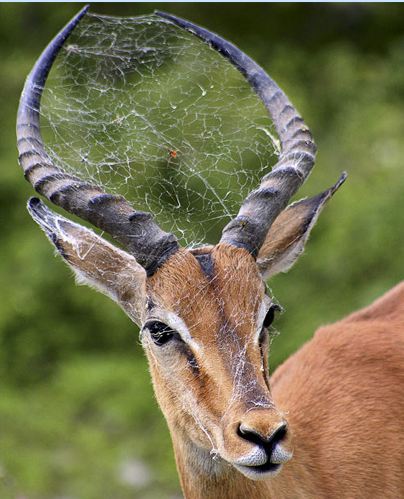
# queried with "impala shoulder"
point(372, 337)
point(390, 306)
point(374, 332)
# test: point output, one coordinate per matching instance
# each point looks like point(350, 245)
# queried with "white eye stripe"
point(262, 312)
point(177, 324)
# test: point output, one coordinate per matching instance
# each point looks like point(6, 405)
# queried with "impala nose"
point(270, 443)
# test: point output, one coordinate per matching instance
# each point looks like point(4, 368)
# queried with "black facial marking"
point(161, 334)
point(192, 362)
point(149, 304)
point(206, 263)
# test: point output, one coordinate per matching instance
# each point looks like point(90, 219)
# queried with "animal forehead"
point(219, 287)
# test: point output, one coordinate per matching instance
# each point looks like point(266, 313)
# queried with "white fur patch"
point(262, 312)
point(177, 324)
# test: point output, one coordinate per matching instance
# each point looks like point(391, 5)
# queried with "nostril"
point(279, 434)
point(256, 437)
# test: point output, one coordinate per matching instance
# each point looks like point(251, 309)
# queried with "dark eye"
point(269, 318)
point(160, 333)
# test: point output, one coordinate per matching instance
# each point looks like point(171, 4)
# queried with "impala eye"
point(269, 318)
point(160, 333)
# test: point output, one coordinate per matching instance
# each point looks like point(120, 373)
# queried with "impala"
point(329, 422)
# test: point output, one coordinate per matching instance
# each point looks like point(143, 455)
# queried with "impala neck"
point(204, 477)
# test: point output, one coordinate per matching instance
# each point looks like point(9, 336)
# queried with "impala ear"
point(94, 261)
point(287, 236)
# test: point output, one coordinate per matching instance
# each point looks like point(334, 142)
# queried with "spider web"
point(149, 111)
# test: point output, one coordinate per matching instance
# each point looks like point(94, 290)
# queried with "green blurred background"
point(77, 414)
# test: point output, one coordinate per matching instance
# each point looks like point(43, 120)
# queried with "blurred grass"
point(72, 436)
point(75, 397)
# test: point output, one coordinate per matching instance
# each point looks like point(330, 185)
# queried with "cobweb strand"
point(148, 111)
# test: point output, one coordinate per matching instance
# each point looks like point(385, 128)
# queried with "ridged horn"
point(136, 230)
point(298, 150)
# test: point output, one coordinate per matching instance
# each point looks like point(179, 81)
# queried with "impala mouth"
point(261, 469)
point(259, 472)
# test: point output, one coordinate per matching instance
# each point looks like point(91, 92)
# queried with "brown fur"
point(342, 393)
point(221, 316)
point(216, 318)
point(343, 396)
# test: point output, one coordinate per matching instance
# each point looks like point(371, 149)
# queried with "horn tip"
point(182, 23)
point(83, 11)
point(161, 13)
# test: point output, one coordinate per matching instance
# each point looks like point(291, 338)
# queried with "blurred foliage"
point(74, 403)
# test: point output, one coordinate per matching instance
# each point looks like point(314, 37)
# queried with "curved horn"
point(248, 230)
point(134, 229)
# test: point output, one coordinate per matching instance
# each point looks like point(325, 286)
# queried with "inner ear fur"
point(287, 236)
point(94, 261)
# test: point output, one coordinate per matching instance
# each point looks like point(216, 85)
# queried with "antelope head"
point(204, 314)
